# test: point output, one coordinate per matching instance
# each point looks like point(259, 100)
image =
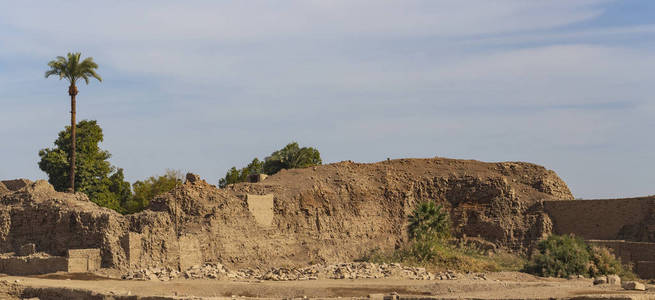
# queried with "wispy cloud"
point(204, 85)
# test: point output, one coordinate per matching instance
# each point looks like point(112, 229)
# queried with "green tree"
point(72, 69)
point(93, 170)
point(291, 157)
point(235, 175)
point(148, 189)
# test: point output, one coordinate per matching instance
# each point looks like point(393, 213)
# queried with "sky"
point(201, 86)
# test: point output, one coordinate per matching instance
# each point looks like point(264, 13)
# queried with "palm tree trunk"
point(72, 91)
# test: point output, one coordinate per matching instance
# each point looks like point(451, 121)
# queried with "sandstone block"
point(261, 207)
point(600, 280)
point(83, 260)
point(614, 279)
point(16, 184)
point(635, 286)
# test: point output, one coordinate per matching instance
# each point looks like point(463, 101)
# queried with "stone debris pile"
point(357, 270)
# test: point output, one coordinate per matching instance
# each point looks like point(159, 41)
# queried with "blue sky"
point(201, 86)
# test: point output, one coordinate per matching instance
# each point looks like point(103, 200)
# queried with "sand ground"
point(503, 285)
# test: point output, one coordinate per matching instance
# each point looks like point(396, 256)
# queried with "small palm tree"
point(72, 69)
point(429, 221)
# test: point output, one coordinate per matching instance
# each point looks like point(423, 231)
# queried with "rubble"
point(356, 270)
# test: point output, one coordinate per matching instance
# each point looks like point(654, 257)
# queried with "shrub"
point(565, 255)
point(604, 262)
point(560, 256)
point(429, 222)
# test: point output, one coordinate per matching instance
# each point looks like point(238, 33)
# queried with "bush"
point(429, 222)
point(565, 255)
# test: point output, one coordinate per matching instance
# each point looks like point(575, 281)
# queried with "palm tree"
point(72, 69)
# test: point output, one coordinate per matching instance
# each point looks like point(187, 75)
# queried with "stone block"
point(16, 184)
point(190, 254)
point(634, 286)
point(27, 249)
point(261, 207)
point(83, 260)
point(614, 280)
point(131, 243)
point(257, 177)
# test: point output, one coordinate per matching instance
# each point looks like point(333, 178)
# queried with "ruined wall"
point(56, 222)
point(613, 219)
point(328, 213)
point(339, 212)
point(34, 264)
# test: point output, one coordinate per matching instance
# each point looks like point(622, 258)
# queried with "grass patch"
point(442, 255)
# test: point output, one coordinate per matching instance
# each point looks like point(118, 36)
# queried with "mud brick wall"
point(629, 251)
point(598, 219)
point(645, 269)
point(30, 265)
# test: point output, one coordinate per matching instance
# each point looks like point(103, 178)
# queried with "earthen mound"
point(326, 214)
point(339, 211)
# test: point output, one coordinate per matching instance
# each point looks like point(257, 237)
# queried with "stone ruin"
point(327, 214)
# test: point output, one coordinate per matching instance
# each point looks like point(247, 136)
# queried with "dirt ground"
point(502, 285)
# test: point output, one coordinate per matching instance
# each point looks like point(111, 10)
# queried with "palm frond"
point(71, 68)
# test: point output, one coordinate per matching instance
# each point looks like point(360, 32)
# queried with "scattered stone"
point(634, 286)
point(356, 270)
point(600, 280)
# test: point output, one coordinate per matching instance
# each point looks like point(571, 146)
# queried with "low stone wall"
point(31, 265)
point(83, 260)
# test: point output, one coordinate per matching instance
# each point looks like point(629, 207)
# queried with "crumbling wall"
point(328, 213)
point(56, 222)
